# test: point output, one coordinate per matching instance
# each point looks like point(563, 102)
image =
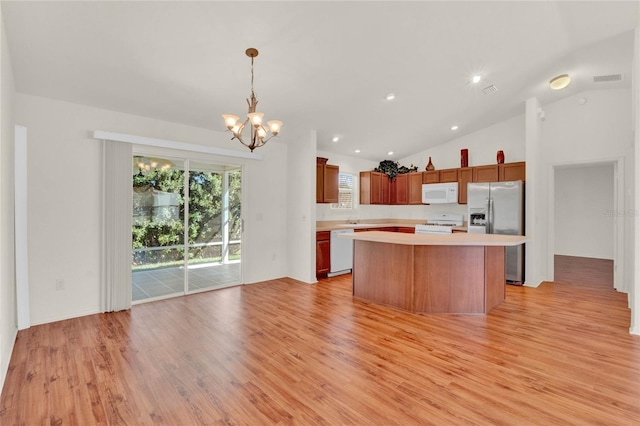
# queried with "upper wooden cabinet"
point(376, 188)
point(512, 171)
point(385, 188)
point(449, 175)
point(326, 183)
point(437, 176)
point(465, 175)
point(488, 173)
point(500, 172)
point(399, 190)
point(432, 176)
point(371, 187)
point(415, 188)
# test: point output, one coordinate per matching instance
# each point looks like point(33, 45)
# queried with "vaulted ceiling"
point(324, 66)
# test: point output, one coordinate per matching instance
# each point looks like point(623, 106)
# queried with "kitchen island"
point(452, 273)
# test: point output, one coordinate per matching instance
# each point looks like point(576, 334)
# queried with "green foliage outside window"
point(158, 216)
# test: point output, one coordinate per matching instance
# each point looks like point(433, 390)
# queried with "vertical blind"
point(116, 226)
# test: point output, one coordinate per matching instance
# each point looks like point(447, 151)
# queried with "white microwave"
point(440, 193)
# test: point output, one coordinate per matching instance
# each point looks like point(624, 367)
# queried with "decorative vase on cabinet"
point(430, 166)
point(500, 157)
point(464, 158)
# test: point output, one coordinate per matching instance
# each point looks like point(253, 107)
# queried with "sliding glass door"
point(214, 225)
point(186, 227)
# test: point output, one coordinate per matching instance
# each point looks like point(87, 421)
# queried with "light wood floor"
point(289, 353)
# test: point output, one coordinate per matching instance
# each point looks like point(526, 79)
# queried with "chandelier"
point(258, 132)
point(148, 164)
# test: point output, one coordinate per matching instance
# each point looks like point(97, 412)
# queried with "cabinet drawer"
point(323, 235)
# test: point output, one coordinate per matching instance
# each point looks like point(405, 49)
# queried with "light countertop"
point(455, 239)
point(376, 223)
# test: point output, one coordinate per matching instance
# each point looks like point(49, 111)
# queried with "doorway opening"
point(586, 235)
point(187, 227)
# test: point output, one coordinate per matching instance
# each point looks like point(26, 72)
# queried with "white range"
point(441, 223)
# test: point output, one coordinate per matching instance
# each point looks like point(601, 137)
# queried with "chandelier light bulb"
point(230, 120)
point(274, 126)
point(255, 118)
point(237, 129)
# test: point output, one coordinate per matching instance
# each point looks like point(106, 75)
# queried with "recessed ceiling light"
point(390, 153)
point(454, 127)
point(391, 97)
point(335, 139)
point(476, 79)
point(560, 82)
point(357, 151)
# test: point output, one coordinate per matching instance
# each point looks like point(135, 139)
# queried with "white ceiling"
point(324, 66)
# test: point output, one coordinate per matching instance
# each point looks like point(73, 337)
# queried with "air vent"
point(490, 89)
point(607, 78)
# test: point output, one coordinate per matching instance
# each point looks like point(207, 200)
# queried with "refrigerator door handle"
point(489, 224)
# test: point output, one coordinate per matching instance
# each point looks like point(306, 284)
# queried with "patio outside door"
point(215, 226)
point(178, 201)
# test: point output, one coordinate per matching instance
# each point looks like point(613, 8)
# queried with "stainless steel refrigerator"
point(498, 208)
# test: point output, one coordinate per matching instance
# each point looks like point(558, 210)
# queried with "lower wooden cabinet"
point(323, 253)
point(406, 229)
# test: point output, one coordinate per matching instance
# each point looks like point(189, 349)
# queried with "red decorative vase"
point(464, 157)
point(430, 166)
point(500, 157)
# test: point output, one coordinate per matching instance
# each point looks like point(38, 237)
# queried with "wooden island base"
point(429, 277)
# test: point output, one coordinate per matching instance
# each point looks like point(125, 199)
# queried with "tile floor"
point(166, 281)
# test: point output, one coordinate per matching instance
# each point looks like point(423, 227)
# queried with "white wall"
point(64, 164)
point(584, 211)
point(483, 145)
point(8, 325)
point(635, 207)
point(301, 214)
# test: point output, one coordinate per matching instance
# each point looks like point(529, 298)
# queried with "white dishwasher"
point(341, 253)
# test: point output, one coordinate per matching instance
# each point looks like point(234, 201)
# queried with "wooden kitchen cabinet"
point(386, 229)
point(465, 175)
point(385, 184)
point(488, 173)
point(449, 175)
point(415, 188)
point(399, 190)
point(326, 183)
point(371, 187)
point(432, 176)
point(512, 171)
point(323, 253)
point(406, 229)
